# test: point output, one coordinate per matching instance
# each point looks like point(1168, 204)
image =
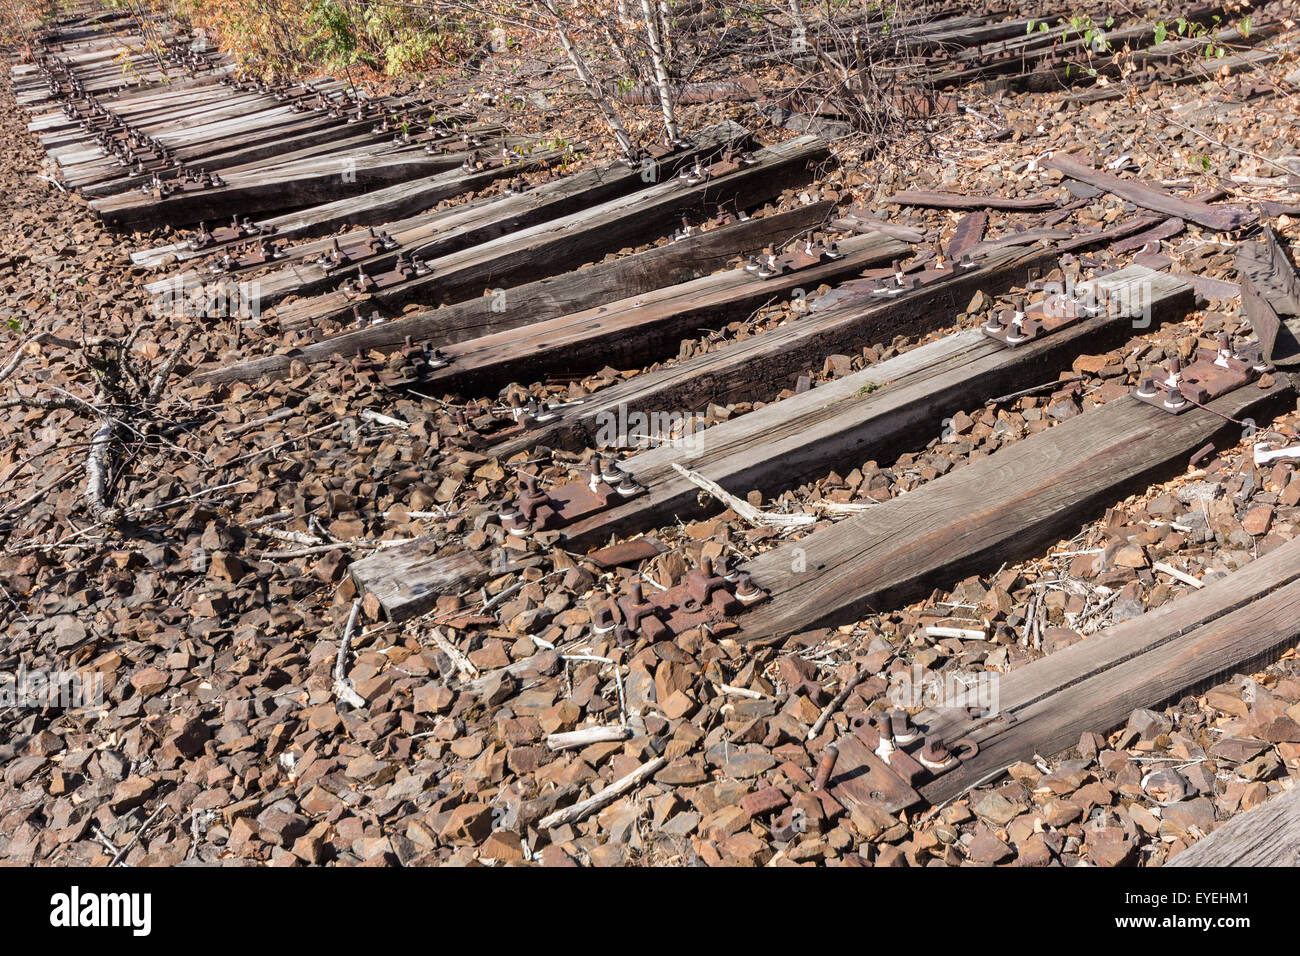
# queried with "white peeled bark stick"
point(343, 688)
point(97, 471)
point(616, 789)
point(588, 735)
point(844, 507)
point(378, 418)
point(589, 82)
point(836, 703)
point(1177, 575)
point(743, 509)
point(965, 633)
point(461, 662)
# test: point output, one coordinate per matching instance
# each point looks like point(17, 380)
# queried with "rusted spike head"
point(602, 617)
point(934, 751)
point(825, 767)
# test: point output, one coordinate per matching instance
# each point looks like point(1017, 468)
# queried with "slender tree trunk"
point(665, 31)
point(661, 71)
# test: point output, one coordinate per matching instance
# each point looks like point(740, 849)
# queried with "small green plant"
point(334, 40)
point(1211, 48)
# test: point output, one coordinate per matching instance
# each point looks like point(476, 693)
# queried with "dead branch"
point(343, 688)
point(164, 373)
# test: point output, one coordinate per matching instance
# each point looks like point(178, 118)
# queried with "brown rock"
point(760, 803)
point(225, 567)
point(278, 824)
point(130, 793)
point(433, 699)
point(1178, 819)
point(1033, 851)
point(723, 822)
point(469, 823)
point(682, 772)
point(1257, 520)
point(995, 808)
point(1108, 846)
point(149, 681)
point(1228, 700)
point(987, 849)
point(503, 845)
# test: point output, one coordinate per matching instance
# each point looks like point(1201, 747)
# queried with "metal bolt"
point(602, 619)
point(900, 725)
point(826, 767)
point(934, 755)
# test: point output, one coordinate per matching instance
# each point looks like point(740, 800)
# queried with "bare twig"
point(343, 688)
point(744, 509)
point(616, 789)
